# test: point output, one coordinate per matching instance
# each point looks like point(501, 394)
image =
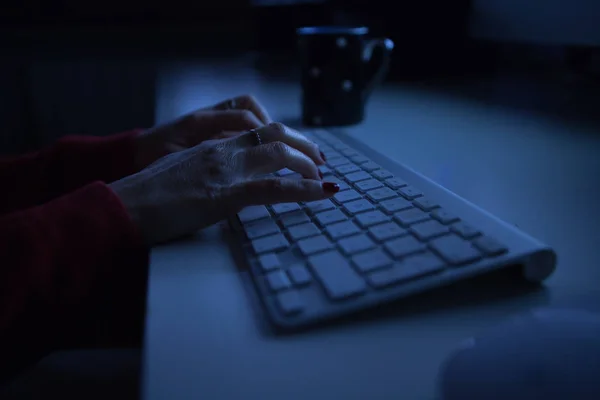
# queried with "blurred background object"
point(78, 67)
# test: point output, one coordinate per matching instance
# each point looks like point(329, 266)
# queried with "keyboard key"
point(384, 193)
point(465, 230)
point(330, 217)
point(269, 262)
point(371, 260)
point(370, 166)
point(349, 152)
point(253, 213)
point(298, 232)
point(429, 229)
point(337, 277)
point(455, 250)
point(343, 185)
point(395, 183)
point(369, 184)
point(356, 244)
point(382, 174)
point(339, 145)
point(331, 153)
point(289, 302)
point(386, 231)
point(261, 227)
point(409, 193)
point(358, 206)
point(425, 204)
point(337, 161)
point(347, 169)
point(347, 195)
point(294, 218)
point(410, 268)
point(342, 229)
point(270, 243)
point(299, 275)
point(285, 172)
point(444, 217)
point(359, 159)
point(425, 262)
point(412, 216)
point(320, 206)
point(277, 280)
point(314, 245)
point(404, 246)
point(358, 176)
point(371, 218)
point(283, 208)
point(490, 246)
point(325, 170)
point(397, 204)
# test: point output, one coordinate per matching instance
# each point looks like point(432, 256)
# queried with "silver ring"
point(231, 104)
point(257, 138)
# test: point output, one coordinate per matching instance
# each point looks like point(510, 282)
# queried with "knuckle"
point(247, 99)
point(246, 116)
point(215, 160)
point(277, 127)
point(279, 148)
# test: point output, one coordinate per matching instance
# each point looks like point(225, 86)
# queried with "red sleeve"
point(67, 268)
point(72, 162)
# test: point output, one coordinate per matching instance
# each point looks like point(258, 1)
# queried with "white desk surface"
point(205, 337)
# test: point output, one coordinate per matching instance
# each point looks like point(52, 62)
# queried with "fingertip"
point(323, 157)
point(330, 187)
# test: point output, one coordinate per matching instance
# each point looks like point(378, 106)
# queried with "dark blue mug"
point(340, 68)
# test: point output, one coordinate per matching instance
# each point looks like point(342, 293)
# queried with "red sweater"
point(73, 268)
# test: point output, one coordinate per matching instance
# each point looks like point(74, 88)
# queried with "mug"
point(340, 68)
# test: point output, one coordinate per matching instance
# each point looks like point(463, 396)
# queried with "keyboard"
point(389, 233)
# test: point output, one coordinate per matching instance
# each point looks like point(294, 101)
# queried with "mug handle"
point(376, 69)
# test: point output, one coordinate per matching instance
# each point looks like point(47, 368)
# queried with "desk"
point(204, 336)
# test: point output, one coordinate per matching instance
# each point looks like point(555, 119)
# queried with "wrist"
point(147, 150)
point(125, 192)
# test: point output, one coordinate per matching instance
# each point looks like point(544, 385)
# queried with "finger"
point(216, 122)
point(272, 157)
point(277, 132)
point(281, 190)
point(249, 102)
point(245, 102)
point(227, 135)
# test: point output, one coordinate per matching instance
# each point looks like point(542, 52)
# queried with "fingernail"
point(323, 157)
point(320, 175)
point(331, 187)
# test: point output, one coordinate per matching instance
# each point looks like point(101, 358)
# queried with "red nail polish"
point(320, 175)
point(331, 187)
point(323, 157)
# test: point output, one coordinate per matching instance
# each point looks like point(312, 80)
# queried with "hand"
point(225, 119)
point(193, 188)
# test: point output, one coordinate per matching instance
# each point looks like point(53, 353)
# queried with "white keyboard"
point(387, 234)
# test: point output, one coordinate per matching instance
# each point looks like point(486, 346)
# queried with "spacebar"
point(335, 274)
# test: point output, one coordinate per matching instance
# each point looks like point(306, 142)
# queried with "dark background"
point(72, 67)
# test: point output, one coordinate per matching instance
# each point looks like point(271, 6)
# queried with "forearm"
point(68, 266)
point(36, 178)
